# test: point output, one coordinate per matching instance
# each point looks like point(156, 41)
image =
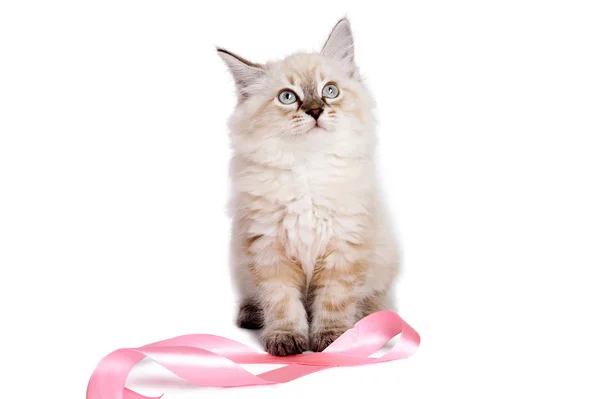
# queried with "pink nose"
point(315, 112)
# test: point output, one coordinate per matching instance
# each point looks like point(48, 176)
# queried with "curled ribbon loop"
point(212, 361)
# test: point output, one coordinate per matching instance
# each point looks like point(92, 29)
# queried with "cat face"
point(303, 95)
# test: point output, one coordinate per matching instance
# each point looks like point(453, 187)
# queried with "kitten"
point(311, 248)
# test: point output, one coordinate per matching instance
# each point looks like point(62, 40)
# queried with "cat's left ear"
point(340, 45)
point(244, 72)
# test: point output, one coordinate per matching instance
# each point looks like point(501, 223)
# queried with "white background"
point(113, 186)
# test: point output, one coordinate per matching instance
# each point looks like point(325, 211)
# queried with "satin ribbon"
point(212, 361)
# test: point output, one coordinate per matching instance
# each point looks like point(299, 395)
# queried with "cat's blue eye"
point(287, 97)
point(330, 91)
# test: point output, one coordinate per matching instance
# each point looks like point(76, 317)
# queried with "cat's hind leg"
point(375, 302)
point(250, 315)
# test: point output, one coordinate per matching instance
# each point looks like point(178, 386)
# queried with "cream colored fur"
point(312, 250)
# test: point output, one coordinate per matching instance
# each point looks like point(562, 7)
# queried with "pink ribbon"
point(212, 361)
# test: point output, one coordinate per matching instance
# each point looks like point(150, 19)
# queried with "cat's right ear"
point(340, 45)
point(244, 72)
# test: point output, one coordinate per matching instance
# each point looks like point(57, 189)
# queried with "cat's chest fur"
point(309, 204)
point(309, 213)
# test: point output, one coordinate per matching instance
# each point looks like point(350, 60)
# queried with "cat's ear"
point(340, 44)
point(244, 72)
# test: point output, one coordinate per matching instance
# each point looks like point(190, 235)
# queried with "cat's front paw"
point(320, 340)
point(283, 343)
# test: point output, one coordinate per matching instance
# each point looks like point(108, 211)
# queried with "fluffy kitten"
point(312, 251)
